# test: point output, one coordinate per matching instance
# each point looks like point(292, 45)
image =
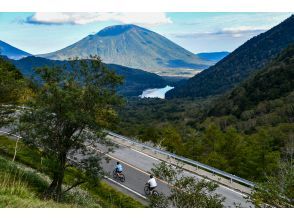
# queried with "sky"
point(38, 33)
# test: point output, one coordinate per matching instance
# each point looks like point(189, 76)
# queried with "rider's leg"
point(151, 189)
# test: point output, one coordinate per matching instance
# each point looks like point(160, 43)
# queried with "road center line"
point(123, 186)
point(194, 174)
point(130, 165)
point(142, 171)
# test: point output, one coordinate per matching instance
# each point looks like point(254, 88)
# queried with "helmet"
point(151, 176)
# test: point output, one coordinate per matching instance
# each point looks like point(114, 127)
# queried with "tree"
point(71, 108)
point(13, 89)
point(185, 191)
point(150, 134)
point(278, 190)
point(171, 139)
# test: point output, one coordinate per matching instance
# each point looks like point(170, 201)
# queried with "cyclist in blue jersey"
point(118, 168)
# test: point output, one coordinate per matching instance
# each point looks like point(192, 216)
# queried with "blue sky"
point(198, 32)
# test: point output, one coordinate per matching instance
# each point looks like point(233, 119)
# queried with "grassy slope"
point(22, 185)
point(20, 188)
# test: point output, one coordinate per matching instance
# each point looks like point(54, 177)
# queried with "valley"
point(232, 111)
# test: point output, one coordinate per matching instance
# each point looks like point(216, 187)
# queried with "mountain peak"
point(116, 30)
point(133, 46)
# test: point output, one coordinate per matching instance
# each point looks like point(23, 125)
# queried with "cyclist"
point(118, 168)
point(152, 183)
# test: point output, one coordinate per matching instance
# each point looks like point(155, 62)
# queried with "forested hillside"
point(272, 82)
point(238, 65)
point(245, 132)
point(135, 80)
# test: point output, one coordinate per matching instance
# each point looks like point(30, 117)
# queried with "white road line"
point(137, 151)
point(138, 168)
point(146, 155)
point(122, 161)
point(221, 185)
point(123, 186)
point(130, 165)
point(193, 174)
point(129, 189)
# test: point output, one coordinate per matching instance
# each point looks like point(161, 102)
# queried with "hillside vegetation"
point(238, 65)
point(245, 132)
point(272, 82)
point(135, 80)
point(24, 182)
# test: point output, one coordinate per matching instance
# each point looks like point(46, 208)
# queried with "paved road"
point(137, 167)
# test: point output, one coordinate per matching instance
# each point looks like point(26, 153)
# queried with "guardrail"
point(180, 158)
point(193, 162)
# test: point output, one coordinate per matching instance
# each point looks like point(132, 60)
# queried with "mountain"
point(12, 52)
point(135, 47)
point(135, 80)
point(237, 66)
point(274, 81)
point(213, 56)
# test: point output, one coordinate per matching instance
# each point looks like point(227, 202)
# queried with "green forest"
point(246, 132)
point(237, 116)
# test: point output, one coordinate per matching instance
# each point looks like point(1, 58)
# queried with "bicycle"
point(148, 191)
point(119, 176)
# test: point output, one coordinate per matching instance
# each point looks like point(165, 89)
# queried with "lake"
point(156, 92)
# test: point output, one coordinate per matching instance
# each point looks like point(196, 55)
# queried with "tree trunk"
point(55, 189)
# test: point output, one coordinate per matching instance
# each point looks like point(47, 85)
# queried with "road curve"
point(137, 167)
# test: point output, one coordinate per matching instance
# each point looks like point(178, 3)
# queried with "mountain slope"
point(274, 81)
point(213, 56)
point(132, 46)
point(237, 66)
point(11, 52)
point(135, 80)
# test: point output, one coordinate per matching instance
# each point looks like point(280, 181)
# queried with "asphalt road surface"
point(137, 167)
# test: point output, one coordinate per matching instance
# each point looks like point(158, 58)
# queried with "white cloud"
point(229, 32)
point(86, 18)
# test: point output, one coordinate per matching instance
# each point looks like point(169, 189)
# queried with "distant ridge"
point(135, 80)
point(12, 52)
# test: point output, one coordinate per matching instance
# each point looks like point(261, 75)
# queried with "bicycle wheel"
point(155, 193)
point(122, 178)
point(114, 175)
point(147, 190)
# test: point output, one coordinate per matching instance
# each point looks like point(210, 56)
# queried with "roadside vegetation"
point(60, 105)
point(24, 182)
point(186, 191)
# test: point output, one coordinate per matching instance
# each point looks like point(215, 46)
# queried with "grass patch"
point(23, 188)
point(27, 186)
